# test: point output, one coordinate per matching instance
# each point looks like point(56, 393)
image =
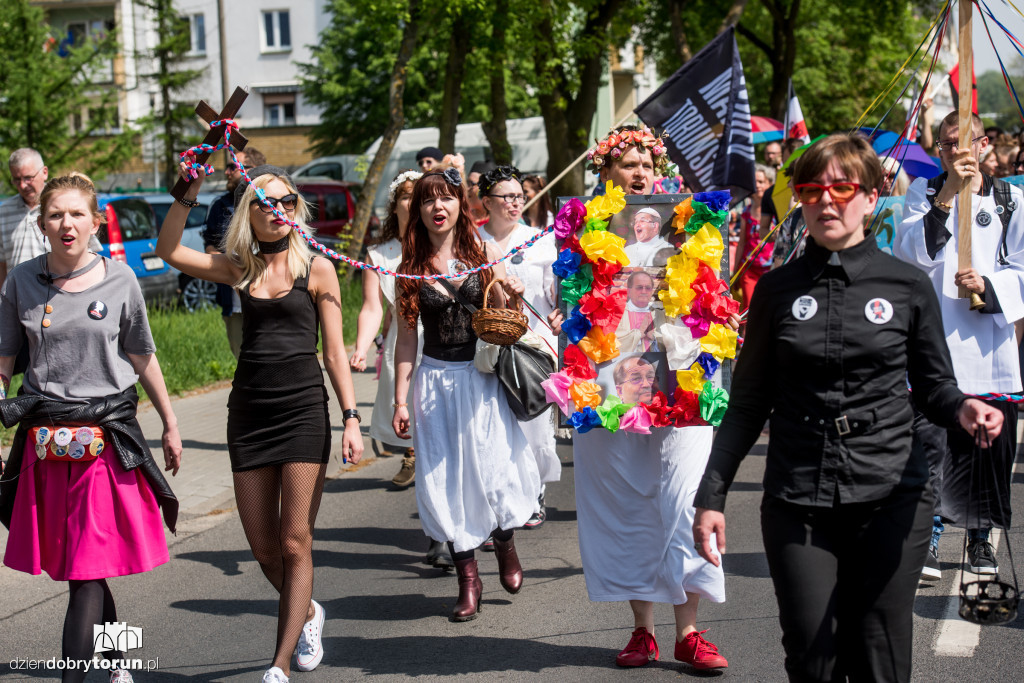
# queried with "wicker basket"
point(501, 326)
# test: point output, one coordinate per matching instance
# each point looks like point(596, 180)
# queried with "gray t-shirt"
point(82, 353)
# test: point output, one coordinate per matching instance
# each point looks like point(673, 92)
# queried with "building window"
point(277, 32)
point(197, 31)
point(279, 109)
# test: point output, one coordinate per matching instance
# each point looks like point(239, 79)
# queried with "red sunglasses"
point(841, 193)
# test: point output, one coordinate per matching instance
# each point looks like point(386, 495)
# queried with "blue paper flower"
point(567, 264)
point(585, 420)
point(577, 326)
point(708, 362)
point(716, 201)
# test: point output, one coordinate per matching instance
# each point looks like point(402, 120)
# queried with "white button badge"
point(878, 311)
point(805, 307)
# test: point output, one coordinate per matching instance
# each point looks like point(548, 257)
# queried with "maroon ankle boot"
point(510, 572)
point(470, 588)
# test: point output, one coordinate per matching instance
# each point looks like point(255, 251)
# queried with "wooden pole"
point(965, 211)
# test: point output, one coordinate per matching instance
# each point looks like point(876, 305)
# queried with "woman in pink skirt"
point(81, 493)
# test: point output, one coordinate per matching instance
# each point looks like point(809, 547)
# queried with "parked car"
point(333, 206)
point(195, 294)
point(337, 167)
point(129, 236)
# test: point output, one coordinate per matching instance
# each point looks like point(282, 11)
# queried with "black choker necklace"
point(49, 278)
point(275, 247)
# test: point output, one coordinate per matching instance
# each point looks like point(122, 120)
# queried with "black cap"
point(254, 173)
point(482, 167)
point(429, 153)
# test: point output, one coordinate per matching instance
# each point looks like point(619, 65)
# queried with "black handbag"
point(520, 370)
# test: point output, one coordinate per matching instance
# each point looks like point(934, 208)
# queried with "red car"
point(333, 206)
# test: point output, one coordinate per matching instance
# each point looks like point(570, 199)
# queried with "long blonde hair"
point(242, 247)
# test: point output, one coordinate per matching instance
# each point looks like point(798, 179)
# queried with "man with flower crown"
point(634, 491)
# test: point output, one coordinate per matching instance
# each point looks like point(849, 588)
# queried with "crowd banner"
point(705, 110)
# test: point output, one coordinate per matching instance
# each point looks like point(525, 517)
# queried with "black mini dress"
point(277, 409)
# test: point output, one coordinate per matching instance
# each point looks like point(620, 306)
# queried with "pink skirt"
point(84, 520)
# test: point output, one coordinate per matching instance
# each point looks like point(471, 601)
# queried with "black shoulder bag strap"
point(1001, 193)
point(457, 295)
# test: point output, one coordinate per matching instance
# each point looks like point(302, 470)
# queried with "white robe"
point(983, 346)
point(643, 253)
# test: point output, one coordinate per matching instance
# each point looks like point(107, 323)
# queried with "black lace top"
point(447, 325)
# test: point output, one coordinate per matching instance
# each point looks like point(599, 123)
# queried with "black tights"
point(278, 505)
point(498, 535)
point(89, 603)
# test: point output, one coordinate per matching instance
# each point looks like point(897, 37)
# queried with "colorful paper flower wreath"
point(620, 140)
point(589, 258)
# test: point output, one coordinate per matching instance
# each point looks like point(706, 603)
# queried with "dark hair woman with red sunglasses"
point(846, 517)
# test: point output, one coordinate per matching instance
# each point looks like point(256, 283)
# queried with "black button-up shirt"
point(832, 339)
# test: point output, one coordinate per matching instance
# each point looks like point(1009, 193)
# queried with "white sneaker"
point(121, 676)
point(310, 649)
point(274, 675)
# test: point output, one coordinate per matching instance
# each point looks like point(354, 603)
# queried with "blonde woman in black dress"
point(278, 430)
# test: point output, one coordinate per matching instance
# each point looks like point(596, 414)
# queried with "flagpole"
point(966, 95)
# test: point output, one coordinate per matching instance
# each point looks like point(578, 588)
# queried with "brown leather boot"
point(470, 588)
point(510, 572)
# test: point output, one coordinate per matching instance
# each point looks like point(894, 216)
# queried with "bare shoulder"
point(491, 250)
point(322, 275)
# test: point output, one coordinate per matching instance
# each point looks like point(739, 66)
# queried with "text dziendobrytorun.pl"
point(96, 663)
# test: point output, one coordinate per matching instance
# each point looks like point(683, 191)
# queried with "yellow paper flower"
point(598, 346)
point(707, 246)
point(607, 205)
point(585, 394)
point(601, 244)
point(683, 211)
point(682, 269)
point(692, 379)
point(677, 300)
point(720, 342)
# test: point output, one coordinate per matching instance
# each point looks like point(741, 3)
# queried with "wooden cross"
point(208, 114)
point(964, 209)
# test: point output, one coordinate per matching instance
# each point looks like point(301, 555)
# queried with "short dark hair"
point(429, 153)
point(953, 119)
point(851, 152)
point(254, 157)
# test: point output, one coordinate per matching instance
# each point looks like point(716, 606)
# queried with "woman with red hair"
point(476, 475)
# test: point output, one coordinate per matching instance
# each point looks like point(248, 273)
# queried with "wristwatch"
point(350, 412)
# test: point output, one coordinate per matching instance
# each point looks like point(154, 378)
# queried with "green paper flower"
point(595, 224)
point(713, 402)
point(578, 284)
point(611, 411)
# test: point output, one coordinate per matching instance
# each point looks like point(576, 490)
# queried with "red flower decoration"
point(686, 408)
point(717, 306)
point(604, 271)
point(708, 282)
point(577, 365)
point(658, 409)
point(603, 309)
point(572, 242)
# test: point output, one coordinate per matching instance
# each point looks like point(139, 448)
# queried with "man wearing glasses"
point(650, 248)
point(981, 342)
point(217, 220)
point(20, 237)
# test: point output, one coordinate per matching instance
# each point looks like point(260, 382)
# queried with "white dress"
point(533, 267)
point(634, 506)
point(475, 471)
point(387, 255)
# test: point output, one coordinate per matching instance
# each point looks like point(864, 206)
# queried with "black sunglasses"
point(287, 202)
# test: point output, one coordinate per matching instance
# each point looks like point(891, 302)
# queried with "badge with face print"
point(805, 307)
point(43, 436)
point(97, 310)
point(76, 451)
point(878, 311)
point(63, 436)
point(84, 436)
point(60, 451)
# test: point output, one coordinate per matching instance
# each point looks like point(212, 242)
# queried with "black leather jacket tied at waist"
point(116, 414)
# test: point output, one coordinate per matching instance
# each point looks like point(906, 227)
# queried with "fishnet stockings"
point(281, 539)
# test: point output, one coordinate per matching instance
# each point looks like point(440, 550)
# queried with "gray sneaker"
point(981, 557)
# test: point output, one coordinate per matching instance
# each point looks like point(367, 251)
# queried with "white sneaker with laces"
point(310, 649)
point(121, 676)
point(274, 675)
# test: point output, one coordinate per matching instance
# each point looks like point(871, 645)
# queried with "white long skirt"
point(634, 506)
point(475, 471)
point(381, 428)
point(540, 433)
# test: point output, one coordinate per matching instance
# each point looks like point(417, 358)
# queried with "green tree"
point(995, 103)
point(175, 120)
point(47, 82)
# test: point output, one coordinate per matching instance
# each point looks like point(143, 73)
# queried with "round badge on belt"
point(878, 311)
point(96, 447)
point(84, 436)
point(63, 436)
point(97, 310)
point(805, 307)
point(41, 451)
point(984, 219)
point(43, 436)
point(76, 451)
point(60, 451)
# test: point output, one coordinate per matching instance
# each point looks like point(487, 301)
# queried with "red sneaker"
point(699, 653)
point(641, 649)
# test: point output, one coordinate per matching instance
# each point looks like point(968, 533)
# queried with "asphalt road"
point(210, 615)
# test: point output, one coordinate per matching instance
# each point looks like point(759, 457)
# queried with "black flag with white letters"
point(705, 110)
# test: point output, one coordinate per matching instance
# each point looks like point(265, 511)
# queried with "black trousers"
point(845, 578)
point(984, 501)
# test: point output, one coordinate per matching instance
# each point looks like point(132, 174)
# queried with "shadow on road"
point(751, 565)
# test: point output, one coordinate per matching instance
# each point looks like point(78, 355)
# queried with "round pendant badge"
point(63, 436)
point(60, 451)
point(84, 436)
point(97, 310)
point(43, 436)
point(878, 311)
point(41, 451)
point(76, 451)
point(984, 219)
point(805, 307)
point(96, 447)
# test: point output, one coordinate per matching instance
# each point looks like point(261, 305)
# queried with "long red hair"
point(417, 250)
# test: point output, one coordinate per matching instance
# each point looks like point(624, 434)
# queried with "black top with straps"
point(447, 325)
point(279, 329)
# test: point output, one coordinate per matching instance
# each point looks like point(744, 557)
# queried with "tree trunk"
point(732, 17)
point(495, 129)
point(458, 44)
point(396, 91)
point(675, 15)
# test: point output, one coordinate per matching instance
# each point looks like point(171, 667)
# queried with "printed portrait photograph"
point(634, 377)
point(647, 228)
